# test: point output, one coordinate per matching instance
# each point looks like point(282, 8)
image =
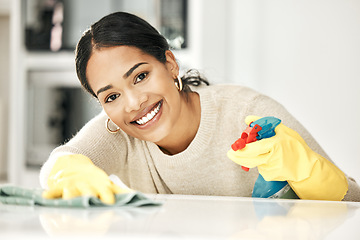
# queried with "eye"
point(140, 77)
point(111, 98)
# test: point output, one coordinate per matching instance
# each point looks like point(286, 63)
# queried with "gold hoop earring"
point(107, 127)
point(179, 83)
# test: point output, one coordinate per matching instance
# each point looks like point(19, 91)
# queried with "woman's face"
point(136, 91)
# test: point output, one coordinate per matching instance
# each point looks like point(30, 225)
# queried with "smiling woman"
point(160, 136)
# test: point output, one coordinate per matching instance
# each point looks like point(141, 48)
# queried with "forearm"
point(325, 182)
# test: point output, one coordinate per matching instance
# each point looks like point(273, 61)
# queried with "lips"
point(149, 115)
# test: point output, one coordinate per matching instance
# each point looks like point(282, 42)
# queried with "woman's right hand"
point(76, 175)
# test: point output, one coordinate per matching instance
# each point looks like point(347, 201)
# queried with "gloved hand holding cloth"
point(76, 175)
point(287, 157)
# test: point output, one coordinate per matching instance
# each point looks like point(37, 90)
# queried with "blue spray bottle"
point(257, 130)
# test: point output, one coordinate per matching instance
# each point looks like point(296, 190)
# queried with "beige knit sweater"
point(203, 168)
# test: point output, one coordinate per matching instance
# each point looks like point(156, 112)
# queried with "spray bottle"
point(257, 130)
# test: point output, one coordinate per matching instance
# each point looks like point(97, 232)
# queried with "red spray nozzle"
point(248, 136)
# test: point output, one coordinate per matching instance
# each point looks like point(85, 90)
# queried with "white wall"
point(312, 48)
point(306, 55)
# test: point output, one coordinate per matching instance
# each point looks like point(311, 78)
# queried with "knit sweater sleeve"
point(95, 142)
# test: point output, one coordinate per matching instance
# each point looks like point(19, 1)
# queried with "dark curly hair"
point(125, 29)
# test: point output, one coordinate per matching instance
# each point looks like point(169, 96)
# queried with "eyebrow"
point(126, 75)
point(103, 89)
point(131, 70)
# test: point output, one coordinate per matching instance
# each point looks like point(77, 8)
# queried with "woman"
point(162, 137)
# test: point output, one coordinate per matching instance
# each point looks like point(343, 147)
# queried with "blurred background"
point(305, 54)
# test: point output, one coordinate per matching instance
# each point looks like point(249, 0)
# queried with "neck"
point(187, 127)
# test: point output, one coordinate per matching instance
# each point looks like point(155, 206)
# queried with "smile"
point(150, 115)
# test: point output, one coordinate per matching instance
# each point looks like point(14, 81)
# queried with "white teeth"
point(149, 116)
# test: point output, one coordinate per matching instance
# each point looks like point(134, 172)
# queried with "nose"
point(134, 100)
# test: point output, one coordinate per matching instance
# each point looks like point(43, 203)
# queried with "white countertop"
point(188, 217)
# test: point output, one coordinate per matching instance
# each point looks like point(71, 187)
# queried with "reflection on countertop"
point(189, 217)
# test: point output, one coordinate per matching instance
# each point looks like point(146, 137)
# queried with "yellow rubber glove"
point(286, 157)
point(76, 175)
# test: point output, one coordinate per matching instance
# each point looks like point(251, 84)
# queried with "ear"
point(171, 63)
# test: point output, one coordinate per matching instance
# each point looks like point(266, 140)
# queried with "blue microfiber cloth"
point(15, 195)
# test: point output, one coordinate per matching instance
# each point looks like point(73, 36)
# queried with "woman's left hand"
point(287, 157)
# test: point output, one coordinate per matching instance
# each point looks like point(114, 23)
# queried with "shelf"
point(64, 60)
point(54, 78)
